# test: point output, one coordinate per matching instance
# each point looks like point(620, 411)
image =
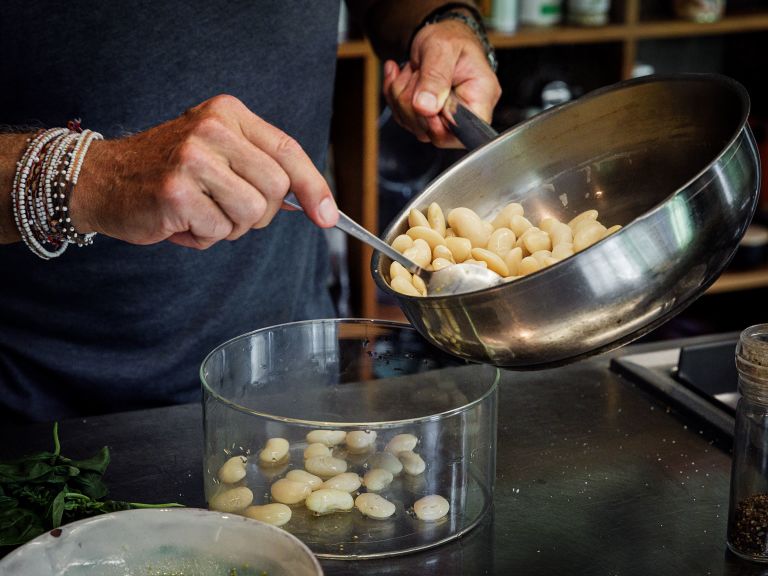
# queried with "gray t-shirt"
point(116, 326)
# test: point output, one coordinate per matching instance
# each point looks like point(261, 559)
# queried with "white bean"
point(474, 262)
point(588, 235)
point(396, 269)
point(347, 481)
point(420, 252)
point(537, 240)
point(298, 475)
point(233, 470)
point(276, 514)
point(275, 452)
point(460, 248)
point(562, 250)
point(404, 286)
point(440, 263)
point(327, 437)
point(442, 251)
point(360, 440)
point(417, 218)
point(529, 265)
point(561, 234)
point(436, 218)
point(374, 506)
point(420, 285)
point(401, 443)
point(586, 215)
point(612, 229)
point(467, 224)
point(431, 237)
point(377, 479)
point(449, 233)
point(387, 461)
point(548, 223)
point(327, 500)
point(231, 500)
point(492, 260)
point(512, 260)
point(288, 491)
point(402, 243)
point(501, 241)
point(325, 466)
point(502, 218)
point(316, 449)
point(519, 224)
point(413, 464)
point(431, 508)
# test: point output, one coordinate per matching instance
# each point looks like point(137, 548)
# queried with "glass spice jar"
point(702, 11)
point(748, 511)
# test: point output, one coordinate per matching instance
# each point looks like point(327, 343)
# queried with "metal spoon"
point(456, 279)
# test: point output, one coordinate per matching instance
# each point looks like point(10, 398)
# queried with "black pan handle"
point(468, 127)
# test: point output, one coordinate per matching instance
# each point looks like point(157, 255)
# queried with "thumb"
point(435, 79)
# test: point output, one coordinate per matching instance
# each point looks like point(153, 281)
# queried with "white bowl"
point(163, 541)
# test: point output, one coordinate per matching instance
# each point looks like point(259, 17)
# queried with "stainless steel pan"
point(670, 158)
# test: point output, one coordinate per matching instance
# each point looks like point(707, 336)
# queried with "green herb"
point(42, 491)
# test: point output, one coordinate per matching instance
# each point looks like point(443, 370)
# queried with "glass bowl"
point(354, 375)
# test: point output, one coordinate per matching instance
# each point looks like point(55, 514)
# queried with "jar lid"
point(752, 362)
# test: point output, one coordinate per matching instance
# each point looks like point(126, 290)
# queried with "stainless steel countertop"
point(595, 476)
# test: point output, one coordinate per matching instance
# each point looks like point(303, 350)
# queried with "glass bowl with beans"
point(357, 436)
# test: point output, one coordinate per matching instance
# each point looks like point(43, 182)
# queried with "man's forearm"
point(11, 148)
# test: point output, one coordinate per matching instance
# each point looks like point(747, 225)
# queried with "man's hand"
point(211, 174)
point(444, 56)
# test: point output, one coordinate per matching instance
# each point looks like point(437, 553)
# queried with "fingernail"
point(427, 101)
point(327, 211)
point(389, 68)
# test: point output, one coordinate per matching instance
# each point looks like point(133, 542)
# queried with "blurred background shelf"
point(369, 153)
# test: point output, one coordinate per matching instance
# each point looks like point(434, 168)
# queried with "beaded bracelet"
point(46, 176)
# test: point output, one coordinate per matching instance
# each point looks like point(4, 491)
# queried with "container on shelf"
point(505, 15)
point(704, 11)
point(748, 511)
point(361, 377)
point(588, 12)
point(541, 12)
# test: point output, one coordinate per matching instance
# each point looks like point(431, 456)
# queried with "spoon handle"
point(467, 126)
point(354, 229)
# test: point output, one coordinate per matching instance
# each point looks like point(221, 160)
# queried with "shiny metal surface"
point(670, 158)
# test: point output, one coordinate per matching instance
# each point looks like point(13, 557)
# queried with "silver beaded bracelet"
point(45, 178)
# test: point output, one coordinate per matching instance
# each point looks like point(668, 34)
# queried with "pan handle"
point(467, 126)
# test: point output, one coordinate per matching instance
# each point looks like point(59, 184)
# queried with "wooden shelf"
point(681, 28)
point(732, 281)
point(355, 49)
point(529, 37)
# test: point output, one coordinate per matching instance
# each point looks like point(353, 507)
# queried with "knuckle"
point(257, 208)
point(278, 184)
point(287, 146)
point(210, 127)
point(223, 102)
point(189, 155)
point(172, 194)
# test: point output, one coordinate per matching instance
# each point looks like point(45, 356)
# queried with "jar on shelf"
point(704, 11)
point(541, 12)
point(504, 15)
point(748, 510)
point(588, 12)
